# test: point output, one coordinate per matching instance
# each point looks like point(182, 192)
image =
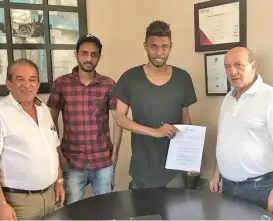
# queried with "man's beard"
point(157, 64)
point(89, 70)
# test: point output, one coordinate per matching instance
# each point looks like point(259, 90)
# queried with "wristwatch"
point(60, 180)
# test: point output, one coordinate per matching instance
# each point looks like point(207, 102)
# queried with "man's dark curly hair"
point(158, 28)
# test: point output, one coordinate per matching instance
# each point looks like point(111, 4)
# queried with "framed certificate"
point(219, 25)
point(216, 80)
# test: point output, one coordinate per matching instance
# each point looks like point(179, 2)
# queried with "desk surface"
point(170, 204)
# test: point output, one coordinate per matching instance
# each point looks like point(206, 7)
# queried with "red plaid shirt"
point(85, 110)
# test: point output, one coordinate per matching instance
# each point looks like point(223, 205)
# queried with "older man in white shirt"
point(244, 149)
point(30, 176)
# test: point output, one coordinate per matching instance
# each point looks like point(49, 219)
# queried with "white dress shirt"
point(245, 131)
point(28, 152)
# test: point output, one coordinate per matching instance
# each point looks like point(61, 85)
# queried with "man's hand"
point(59, 194)
point(166, 130)
point(114, 159)
point(7, 212)
point(214, 183)
point(270, 202)
point(193, 173)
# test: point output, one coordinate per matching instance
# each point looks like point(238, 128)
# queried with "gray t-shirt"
point(151, 105)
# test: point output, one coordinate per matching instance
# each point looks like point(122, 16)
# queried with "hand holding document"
point(186, 148)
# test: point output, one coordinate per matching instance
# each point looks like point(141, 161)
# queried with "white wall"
point(121, 27)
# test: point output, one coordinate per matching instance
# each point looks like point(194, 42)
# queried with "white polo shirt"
point(245, 131)
point(28, 152)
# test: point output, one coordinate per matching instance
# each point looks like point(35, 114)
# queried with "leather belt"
point(13, 190)
point(266, 176)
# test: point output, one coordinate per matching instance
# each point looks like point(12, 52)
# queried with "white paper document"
point(186, 148)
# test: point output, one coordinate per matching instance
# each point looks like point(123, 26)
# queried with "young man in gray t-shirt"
point(159, 96)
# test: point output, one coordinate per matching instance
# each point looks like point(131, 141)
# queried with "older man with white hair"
point(244, 149)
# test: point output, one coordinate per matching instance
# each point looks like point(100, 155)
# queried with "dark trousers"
point(256, 192)
point(181, 180)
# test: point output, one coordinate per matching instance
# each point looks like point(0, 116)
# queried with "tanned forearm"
point(126, 123)
point(2, 196)
point(186, 116)
point(62, 161)
point(117, 135)
point(187, 120)
point(60, 172)
point(216, 171)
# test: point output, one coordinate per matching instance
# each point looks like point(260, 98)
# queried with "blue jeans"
point(255, 192)
point(76, 180)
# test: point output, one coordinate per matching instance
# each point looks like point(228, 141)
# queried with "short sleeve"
point(56, 140)
point(54, 134)
point(189, 92)
point(122, 89)
point(55, 100)
point(112, 100)
point(2, 135)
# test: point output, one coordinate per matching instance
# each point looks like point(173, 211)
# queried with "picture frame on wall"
point(217, 83)
point(220, 25)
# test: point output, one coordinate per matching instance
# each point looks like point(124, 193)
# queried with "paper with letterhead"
point(186, 148)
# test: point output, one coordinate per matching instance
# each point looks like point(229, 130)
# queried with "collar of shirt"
point(15, 102)
point(252, 89)
point(37, 101)
point(97, 77)
point(21, 110)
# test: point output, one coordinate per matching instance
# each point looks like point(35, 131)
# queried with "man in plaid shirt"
point(84, 98)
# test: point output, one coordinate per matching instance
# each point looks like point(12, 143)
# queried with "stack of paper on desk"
point(186, 148)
